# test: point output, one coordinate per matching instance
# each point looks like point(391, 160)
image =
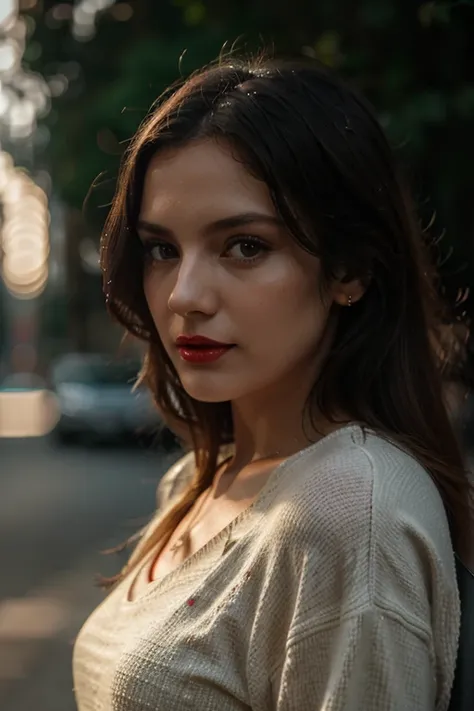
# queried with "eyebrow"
point(231, 222)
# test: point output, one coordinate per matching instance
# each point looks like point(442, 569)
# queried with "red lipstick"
point(199, 349)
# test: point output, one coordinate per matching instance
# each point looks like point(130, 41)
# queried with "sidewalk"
point(38, 631)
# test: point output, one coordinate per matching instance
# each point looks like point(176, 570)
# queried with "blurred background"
point(80, 452)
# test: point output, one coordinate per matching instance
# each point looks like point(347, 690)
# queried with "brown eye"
point(160, 251)
point(246, 249)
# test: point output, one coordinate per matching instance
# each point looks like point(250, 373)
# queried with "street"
point(59, 508)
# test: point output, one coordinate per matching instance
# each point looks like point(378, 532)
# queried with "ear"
point(347, 292)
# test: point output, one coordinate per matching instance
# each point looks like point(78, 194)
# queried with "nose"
point(194, 290)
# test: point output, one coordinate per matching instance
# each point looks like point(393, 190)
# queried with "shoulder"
point(175, 479)
point(356, 476)
point(365, 512)
point(404, 499)
point(179, 475)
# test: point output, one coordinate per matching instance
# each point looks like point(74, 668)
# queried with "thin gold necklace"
point(185, 538)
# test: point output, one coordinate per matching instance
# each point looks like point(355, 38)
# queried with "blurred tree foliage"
point(412, 59)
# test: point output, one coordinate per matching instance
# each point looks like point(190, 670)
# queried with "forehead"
point(203, 177)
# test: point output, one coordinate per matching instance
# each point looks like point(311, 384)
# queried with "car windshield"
point(98, 373)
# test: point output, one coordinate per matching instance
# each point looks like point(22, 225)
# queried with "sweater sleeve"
point(373, 660)
point(360, 611)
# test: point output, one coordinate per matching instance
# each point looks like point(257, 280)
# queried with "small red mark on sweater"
point(191, 602)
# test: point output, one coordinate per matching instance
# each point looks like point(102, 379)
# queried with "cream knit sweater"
point(334, 591)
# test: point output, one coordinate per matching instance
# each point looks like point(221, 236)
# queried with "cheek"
point(156, 298)
point(148, 288)
point(292, 314)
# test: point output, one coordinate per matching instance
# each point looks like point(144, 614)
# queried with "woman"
point(262, 243)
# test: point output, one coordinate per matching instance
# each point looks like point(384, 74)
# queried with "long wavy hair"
point(334, 180)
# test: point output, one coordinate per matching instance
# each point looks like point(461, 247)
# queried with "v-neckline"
point(226, 532)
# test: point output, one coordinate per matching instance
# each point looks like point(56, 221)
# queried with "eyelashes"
point(244, 250)
point(253, 244)
point(159, 251)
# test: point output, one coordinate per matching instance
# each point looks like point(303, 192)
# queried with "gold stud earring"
point(349, 300)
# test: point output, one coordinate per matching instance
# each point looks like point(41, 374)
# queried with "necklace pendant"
point(176, 546)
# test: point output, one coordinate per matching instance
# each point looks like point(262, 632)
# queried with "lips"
point(200, 350)
point(200, 342)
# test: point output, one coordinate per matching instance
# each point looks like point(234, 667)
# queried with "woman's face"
point(221, 265)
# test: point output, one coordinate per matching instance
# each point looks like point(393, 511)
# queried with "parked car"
point(97, 400)
point(21, 382)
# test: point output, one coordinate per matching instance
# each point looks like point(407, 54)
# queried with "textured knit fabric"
point(334, 591)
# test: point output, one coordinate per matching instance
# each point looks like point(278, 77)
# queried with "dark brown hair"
point(334, 180)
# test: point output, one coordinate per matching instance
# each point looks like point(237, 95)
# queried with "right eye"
point(160, 251)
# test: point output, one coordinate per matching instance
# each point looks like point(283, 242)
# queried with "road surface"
point(58, 509)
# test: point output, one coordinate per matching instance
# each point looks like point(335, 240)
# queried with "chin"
point(207, 388)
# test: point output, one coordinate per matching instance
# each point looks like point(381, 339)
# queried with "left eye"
point(246, 249)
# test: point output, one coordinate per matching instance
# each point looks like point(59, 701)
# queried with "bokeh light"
point(8, 10)
point(24, 236)
point(24, 95)
point(27, 414)
point(9, 56)
point(84, 17)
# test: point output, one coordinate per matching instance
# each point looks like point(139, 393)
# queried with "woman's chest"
point(184, 649)
point(186, 542)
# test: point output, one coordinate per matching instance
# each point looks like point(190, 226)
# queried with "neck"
point(277, 436)
point(275, 423)
point(264, 429)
